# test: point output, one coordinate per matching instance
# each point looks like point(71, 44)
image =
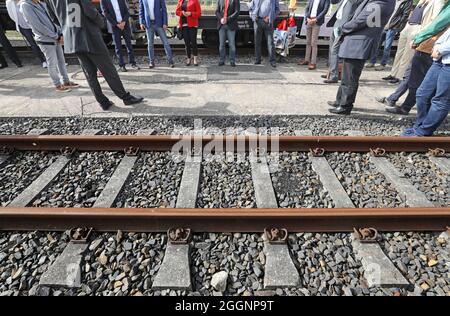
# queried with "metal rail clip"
point(80, 235)
point(179, 235)
point(377, 152)
point(131, 151)
point(4, 150)
point(276, 235)
point(366, 235)
point(67, 151)
point(436, 152)
point(317, 152)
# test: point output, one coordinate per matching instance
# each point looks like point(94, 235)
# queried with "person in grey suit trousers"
point(361, 36)
point(81, 26)
point(343, 13)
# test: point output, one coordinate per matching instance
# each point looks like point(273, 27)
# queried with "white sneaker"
point(44, 65)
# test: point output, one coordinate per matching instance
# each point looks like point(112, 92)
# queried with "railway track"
point(196, 199)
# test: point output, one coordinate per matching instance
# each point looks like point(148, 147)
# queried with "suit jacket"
point(347, 14)
point(362, 34)
point(234, 8)
point(82, 32)
point(160, 13)
point(275, 5)
point(322, 10)
point(110, 13)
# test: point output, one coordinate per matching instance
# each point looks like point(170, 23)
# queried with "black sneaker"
point(106, 105)
point(233, 64)
point(397, 110)
point(333, 104)
point(274, 65)
point(385, 101)
point(330, 81)
point(389, 78)
point(151, 65)
point(394, 81)
point(19, 65)
point(131, 100)
point(172, 65)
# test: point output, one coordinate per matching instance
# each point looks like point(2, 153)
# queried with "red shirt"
point(193, 7)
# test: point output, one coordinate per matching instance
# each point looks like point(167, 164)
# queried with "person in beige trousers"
point(405, 53)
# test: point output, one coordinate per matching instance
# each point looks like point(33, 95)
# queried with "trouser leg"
point(440, 103)
point(150, 43)
point(28, 34)
point(90, 71)
point(167, 48)
point(268, 29)
point(117, 39)
point(187, 40)
point(127, 37)
point(309, 31)
point(51, 56)
point(7, 47)
point(3, 60)
point(402, 87)
point(105, 65)
point(222, 43)
point(334, 59)
point(193, 36)
point(390, 35)
point(62, 68)
point(350, 81)
point(314, 43)
point(231, 35)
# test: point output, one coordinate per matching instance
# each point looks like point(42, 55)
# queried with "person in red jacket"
point(189, 11)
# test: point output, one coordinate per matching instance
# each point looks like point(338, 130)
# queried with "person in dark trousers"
point(23, 28)
point(189, 12)
point(361, 36)
point(314, 18)
point(343, 13)
point(7, 47)
point(227, 12)
point(263, 14)
point(423, 43)
point(117, 16)
point(83, 36)
point(395, 25)
point(433, 95)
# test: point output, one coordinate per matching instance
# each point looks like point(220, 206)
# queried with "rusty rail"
point(225, 220)
point(226, 143)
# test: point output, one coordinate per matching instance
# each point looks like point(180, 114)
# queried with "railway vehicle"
point(208, 21)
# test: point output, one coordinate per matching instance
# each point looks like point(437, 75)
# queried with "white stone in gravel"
point(219, 281)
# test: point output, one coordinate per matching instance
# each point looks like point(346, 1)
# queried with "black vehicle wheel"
point(210, 38)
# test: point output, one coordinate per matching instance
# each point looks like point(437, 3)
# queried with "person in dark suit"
point(361, 37)
point(83, 37)
point(117, 16)
point(227, 12)
point(7, 47)
point(343, 13)
point(154, 19)
point(314, 18)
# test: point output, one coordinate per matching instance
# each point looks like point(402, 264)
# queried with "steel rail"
point(225, 143)
point(224, 220)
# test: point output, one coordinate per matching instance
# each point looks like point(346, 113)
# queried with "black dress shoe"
point(331, 81)
point(258, 62)
point(130, 100)
point(151, 65)
point(221, 64)
point(385, 101)
point(106, 105)
point(340, 110)
point(333, 104)
point(171, 65)
point(122, 69)
point(19, 65)
point(388, 78)
point(397, 110)
point(394, 81)
point(233, 64)
point(274, 65)
point(3, 66)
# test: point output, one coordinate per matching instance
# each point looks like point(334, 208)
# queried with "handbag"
point(179, 33)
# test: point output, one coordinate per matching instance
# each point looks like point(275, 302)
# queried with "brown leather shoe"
point(303, 62)
point(312, 66)
point(71, 84)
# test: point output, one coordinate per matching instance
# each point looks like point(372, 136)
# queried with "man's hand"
point(165, 27)
point(142, 27)
point(223, 20)
point(189, 13)
point(436, 53)
point(267, 19)
point(61, 40)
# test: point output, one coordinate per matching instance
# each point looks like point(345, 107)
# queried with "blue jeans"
point(390, 36)
point(117, 38)
point(224, 34)
point(151, 30)
point(433, 99)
